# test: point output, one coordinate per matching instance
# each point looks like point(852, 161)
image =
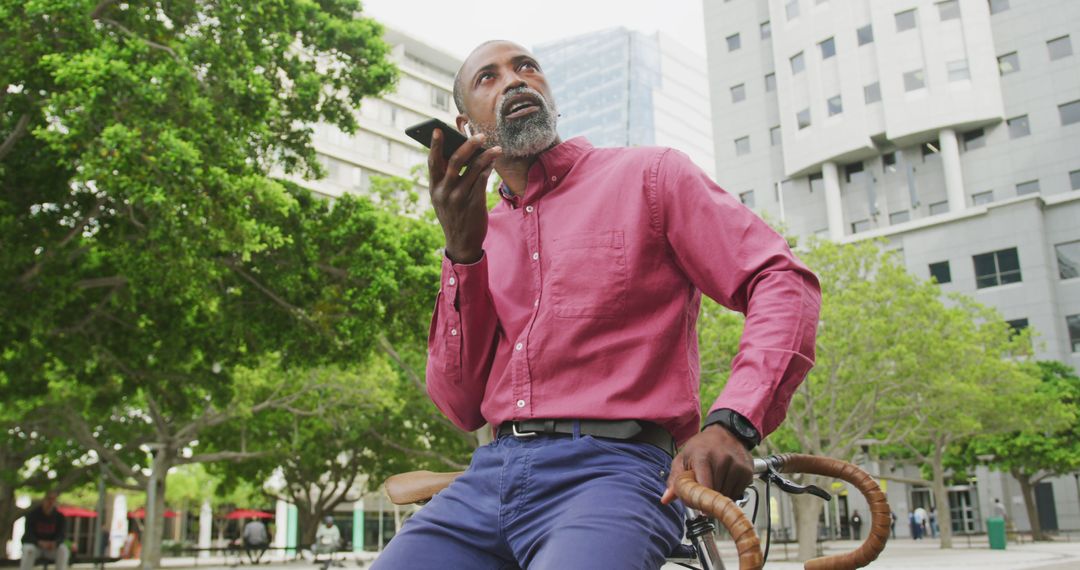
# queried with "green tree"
point(135, 143)
point(1034, 454)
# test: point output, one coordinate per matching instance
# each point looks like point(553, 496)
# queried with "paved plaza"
point(900, 554)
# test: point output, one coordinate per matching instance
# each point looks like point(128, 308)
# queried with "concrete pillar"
point(830, 175)
point(281, 527)
point(954, 176)
point(358, 526)
point(118, 526)
point(206, 528)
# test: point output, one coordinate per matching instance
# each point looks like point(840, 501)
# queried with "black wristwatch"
point(738, 425)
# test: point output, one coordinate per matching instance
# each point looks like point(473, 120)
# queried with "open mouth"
point(520, 106)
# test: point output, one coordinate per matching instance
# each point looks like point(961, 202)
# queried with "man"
point(566, 320)
point(256, 540)
point(856, 525)
point(44, 535)
point(327, 540)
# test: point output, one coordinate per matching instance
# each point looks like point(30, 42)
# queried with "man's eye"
point(484, 77)
point(529, 65)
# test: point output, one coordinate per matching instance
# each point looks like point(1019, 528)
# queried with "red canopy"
point(77, 512)
point(140, 513)
point(248, 514)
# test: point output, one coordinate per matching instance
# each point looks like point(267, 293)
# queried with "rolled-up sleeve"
point(735, 258)
point(461, 343)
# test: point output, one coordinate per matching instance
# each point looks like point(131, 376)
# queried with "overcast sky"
point(457, 26)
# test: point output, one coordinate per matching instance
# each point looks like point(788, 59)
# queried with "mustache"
point(522, 90)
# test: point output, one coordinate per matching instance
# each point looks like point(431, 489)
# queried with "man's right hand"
point(459, 197)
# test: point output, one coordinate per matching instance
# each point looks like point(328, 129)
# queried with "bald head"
point(459, 93)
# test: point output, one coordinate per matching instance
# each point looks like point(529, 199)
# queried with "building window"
point(980, 198)
point(1074, 180)
point(1059, 47)
point(905, 20)
point(974, 139)
point(1073, 322)
point(899, 217)
point(1018, 127)
point(851, 170)
point(803, 118)
point(1029, 187)
point(998, 6)
point(997, 268)
point(914, 80)
point(872, 93)
point(828, 48)
point(733, 42)
point(939, 208)
point(1068, 258)
point(1008, 63)
point(770, 82)
point(747, 198)
point(742, 146)
point(930, 149)
point(792, 9)
point(766, 30)
point(836, 105)
point(1070, 112)
point(440, 99)
point(888, 162)
point(860, 226)
point(817, 182)
point(940, 272)
point(865, 34)
point(738, 93)
point(949, 10)
point(1017, 326)
point(958, 70)
point(798, 64)
point(774, 136)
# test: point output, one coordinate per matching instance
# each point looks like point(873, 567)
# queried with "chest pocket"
point(587, 276)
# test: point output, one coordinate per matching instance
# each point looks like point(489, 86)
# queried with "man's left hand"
point(719, 460)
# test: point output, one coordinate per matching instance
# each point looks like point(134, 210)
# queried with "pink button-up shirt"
point(586, 300)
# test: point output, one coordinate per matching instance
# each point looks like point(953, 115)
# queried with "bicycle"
point(704, 505)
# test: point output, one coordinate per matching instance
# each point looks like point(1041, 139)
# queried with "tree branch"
point(234, 456)
point(135, 36)
point(15, 135)
point(418, 452)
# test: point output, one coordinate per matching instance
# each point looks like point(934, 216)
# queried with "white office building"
point(379, 147)
point(951, 129)
point(624, 88)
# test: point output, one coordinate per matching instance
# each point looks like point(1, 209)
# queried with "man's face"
point(48, 502)
point(507, 98)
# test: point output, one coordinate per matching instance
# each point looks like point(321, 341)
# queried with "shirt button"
point(453, 332)
point(519, 346)
point(536, 303)
point(521, 403)
point(528, 208)
point(452, 281)
point(554, 178)
point(536, 255)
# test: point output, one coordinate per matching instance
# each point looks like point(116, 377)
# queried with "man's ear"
point(462, 122)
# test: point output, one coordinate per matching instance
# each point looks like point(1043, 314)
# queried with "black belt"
point(626, 430)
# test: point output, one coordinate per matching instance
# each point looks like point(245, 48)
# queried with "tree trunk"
point(807, 512)
point(1028, 490)
point(308, 522)
point(941, 496)
point(154, 523)
point(9, 512)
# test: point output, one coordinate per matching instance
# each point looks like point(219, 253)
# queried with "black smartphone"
point(451, 139)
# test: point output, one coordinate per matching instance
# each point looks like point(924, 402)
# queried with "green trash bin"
point(995, 531)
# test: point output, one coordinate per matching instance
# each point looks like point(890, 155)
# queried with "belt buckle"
point(520, 434)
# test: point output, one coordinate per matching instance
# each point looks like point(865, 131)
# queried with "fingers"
point(435, 162)
point(479, 169)
point(677, 468)
point(462, 157)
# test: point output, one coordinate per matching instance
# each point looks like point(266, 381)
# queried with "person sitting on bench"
point(45, 533)
point(256, 540)
point(327, 540)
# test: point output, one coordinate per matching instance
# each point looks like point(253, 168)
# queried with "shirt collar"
point(548, 171)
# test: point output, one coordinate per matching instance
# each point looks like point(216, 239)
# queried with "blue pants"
point(546, 502)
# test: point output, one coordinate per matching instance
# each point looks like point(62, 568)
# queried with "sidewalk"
point(900, 554)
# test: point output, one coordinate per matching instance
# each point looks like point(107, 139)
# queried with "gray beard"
point(527, 136)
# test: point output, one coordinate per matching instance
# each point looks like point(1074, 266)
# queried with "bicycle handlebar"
point(880, 513)
point(697, 496)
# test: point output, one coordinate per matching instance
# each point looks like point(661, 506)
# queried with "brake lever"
point(792, 488)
